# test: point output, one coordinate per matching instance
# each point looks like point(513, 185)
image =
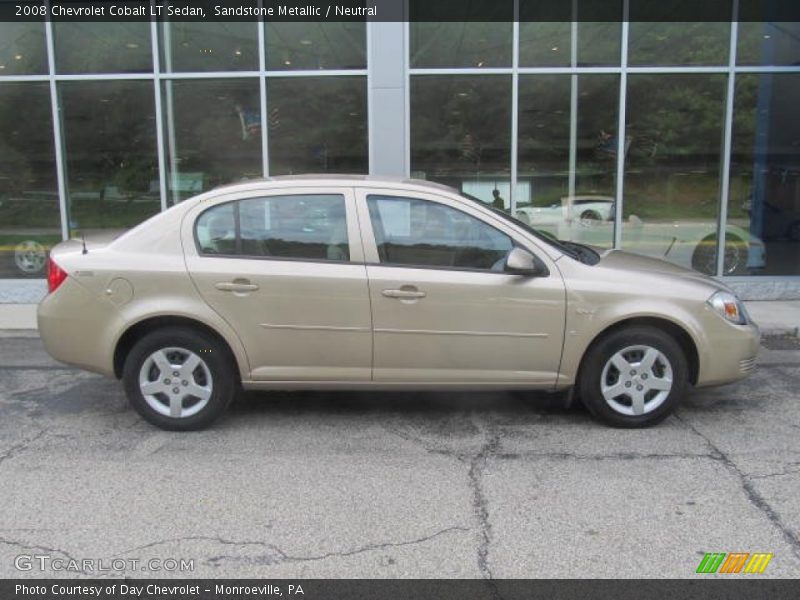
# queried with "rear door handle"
point(404, 294)
point(237, 285)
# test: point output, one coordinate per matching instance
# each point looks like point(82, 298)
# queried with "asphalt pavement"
point(305, 485)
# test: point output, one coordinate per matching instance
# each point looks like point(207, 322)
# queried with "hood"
point(629, 262)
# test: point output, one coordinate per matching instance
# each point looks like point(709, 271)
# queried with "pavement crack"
point(278, 555)
point(790, 469)
point(378, 546)
point(602, 457)
point(480, 505)
point(18, 449)
point(22, 545)
point(752, 495)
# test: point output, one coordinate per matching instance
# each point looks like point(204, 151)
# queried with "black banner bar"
point(397, 10)
point(750, 587)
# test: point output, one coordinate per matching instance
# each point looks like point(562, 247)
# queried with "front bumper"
point(731, 353)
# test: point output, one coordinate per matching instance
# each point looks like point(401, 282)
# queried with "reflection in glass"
point(654, 43)
point(672, 168)
point(461, 133)
point(545, 44)
point(414, 232)
point(317, 125)
point(476, 34)
point(573, 202)
point(302, 226)
point(22, 49)
point(599, 43)
point(549, 44)
point(545, 33)
point(122, 47)
point(473, 44)
point(215, 230)
point(764, 199)
point(329, 45)
point(768, 44)
point(29, 217)
point(110, 149)
point(213, 133)
point(217, 46)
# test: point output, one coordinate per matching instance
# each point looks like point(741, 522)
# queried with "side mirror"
point(522, 262)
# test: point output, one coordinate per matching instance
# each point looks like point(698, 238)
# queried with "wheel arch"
point(141, 328)
point(674, 330)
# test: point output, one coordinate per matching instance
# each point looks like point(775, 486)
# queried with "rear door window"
point(308, 226)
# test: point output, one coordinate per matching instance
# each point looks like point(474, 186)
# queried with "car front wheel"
point(633, 377)
point(179, 379)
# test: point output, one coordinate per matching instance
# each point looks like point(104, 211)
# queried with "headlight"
point(729, 307)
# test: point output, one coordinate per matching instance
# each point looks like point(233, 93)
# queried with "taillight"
point(55, 275)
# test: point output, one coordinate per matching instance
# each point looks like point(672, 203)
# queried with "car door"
point(444, 310)
point(285, 268)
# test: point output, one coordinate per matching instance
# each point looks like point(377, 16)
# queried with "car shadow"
point(507, 403)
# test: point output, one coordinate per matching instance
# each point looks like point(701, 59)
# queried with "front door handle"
point(237, 285)
point(404, 293)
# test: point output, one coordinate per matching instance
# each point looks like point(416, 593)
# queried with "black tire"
point(218, 364)
point(600, 353)
point(704, 257)
point(590, 216)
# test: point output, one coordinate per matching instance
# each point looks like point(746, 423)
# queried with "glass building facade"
point(676, 140)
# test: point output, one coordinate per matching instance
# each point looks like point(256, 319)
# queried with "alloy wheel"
point(30, 256)
point(705, 256)
point(175, 382)
point(636, 380)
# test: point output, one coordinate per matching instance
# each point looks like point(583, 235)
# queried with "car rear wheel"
point(179, 379)
point(30, 257)
point(589, 218)
point(704, 257)
point(633, 377)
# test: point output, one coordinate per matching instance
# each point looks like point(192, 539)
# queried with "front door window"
point(420, 233)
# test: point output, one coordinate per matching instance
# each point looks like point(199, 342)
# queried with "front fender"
point(586, 322)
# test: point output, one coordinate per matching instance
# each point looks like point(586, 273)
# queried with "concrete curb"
point(779, 332)
point(776, 318)
point(18, 316)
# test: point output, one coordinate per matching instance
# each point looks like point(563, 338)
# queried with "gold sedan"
point(348, 282)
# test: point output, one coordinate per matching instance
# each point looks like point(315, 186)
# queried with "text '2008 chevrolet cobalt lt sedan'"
point(360, 283)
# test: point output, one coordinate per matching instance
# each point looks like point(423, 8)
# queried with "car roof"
point(324, 179)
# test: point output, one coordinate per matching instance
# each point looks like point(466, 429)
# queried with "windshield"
point(540, 235)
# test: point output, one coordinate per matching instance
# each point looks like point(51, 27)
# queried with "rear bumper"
point(74, 324)
point(732, 355)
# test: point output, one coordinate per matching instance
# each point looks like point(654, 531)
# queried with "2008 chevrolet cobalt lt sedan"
point(361, 283)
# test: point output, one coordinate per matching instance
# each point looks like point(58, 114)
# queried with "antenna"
point(83, 241)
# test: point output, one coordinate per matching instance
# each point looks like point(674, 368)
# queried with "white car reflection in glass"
point(589, 219)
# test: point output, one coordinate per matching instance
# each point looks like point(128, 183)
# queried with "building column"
point(387, 56)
